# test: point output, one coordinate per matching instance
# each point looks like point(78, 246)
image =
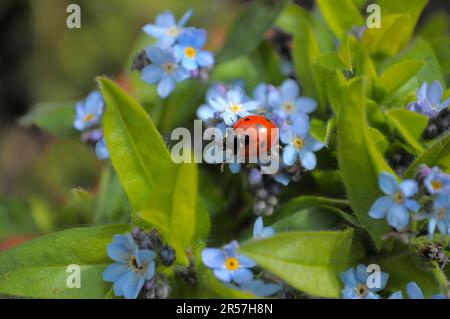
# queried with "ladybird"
point(260, 126)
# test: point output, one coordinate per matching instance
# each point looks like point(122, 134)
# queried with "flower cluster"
point(358, 285)
point(284, 106)
point(135, 255)
point(432, 192)
point(88, 115)
point(177, 55)
point(233, 268)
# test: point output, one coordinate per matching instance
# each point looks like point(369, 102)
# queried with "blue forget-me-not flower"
point(236, 104)
point(261, 232)
point(101, 150)
point(287, 102)
point(356, 283)
point(397, 202)
point(189, 50)
point(89, 112)
point(299, 144)
point(437, 182)
point(259, 288)
point(166, 29)
point(132, 267)
point(164, 70)
point(429, 100)
point(440, 216)
point(227, 265)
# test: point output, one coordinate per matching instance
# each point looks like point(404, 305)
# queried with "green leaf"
point(322, 131)
point(387, 40)
point(413, 8)
point(55, 118)
point(437, 155)
point(162, 194)
point(410, 125)
point(395, 77)
point(340, 15)
point(248, 29)
point(378, 138)
point(37, 269)
point(359, 159)
point(290, 17)
point(112, 204)
point(308, 261)
point(267, 62)
point(241, 68)
point(305, 51)
point(402, 270)
point(299, 203)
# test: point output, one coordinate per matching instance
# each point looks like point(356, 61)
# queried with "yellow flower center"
point(231, 263)
point(169, 67)
point(190, 52)
point(173, 31)
point(235, 108)
point(436, 185)
point(298, 142)
point(398, 197)
point(361, 290)
point(88, 117)
point(288, 107)
point(135, 267)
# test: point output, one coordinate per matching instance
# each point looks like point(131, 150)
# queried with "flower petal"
point(151, 73)
point(245, 262)
point(213, 257)
point(414, 292)
point(308, 159)
point(150, 271)
point(380, 207)
point(408, 187)
point(289, 155)
point(396, 295)
point(223, 275)
point(306, 104)
point(118, 252)
point(349, 278)
point(154, 30)
point(166, 86)
point(412, 205)
point(242, 276)
point(132, 285)
point(258, 226)
point(205, 59)
point(361, 273)
point(115, 271)
point(434, 92)
point(289, 90)
point(398, 216)
point(185, 18)
point(388, 183)
point(165, 19)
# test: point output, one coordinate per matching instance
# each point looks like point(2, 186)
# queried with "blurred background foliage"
point(47, 182)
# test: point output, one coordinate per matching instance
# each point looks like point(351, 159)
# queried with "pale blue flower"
point(164, 70)
point(414, 292)
point(88, 113)
point(258, 288)
point(397, 202)
point(166, 29)
point(261, 232)
point(228, 265)
point(101, 150)
point(356, 286)
point(289, 104)
point(255, 177)
point(429, 100)
point(299, 144)
point(440, 216)
point(132, 267)
point(437, 182)
point(265, 94)
point(236, 104)
point(206, 112)
point(189, 50)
